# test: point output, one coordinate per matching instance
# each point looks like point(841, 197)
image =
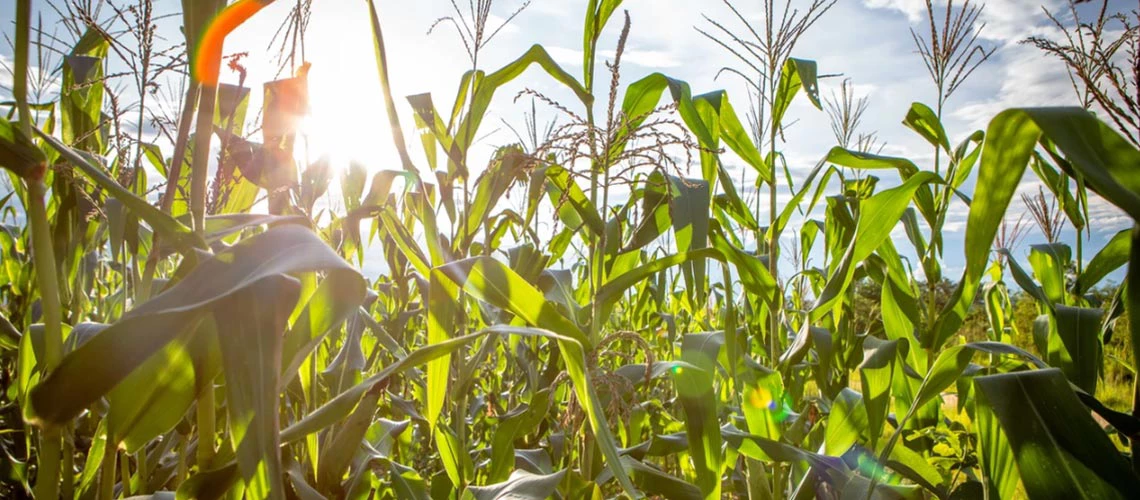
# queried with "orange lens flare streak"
point(208, 60)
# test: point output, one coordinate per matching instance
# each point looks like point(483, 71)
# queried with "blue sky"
point(867, 41)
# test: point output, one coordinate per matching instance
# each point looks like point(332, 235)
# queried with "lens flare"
point(208, 53)
point(762, 398)
point(870, 467)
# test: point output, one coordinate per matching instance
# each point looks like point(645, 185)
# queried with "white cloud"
point(645, 58)
point(914, 10)
point(1004, 21)
point(1106, 218)
point(1028, 78)
point(7, 65)
point(497, 23)
point(5, 72)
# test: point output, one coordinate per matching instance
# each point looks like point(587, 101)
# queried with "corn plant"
point(179, 338)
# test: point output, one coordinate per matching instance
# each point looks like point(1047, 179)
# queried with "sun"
point(346, 120)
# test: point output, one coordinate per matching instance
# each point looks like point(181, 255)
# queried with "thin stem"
point(143, 471)
point(173, 173)
point(180, 469)
point(595, 328)
point(1133, 309)
point(773, 233)
point(174, 170)
point(43, 258)
point(107, 475)
point(47, 478)
point(206, 427)
point(67, 465)
point(198, 170)
point(125, 473)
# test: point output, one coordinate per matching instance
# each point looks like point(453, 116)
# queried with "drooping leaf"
point(695, 390)
point(1113, 255)
point(1058, 448)
point(923, 120)
point(796, 74)
point(84, 376)
point(162, 223)
point(522, 485)
point(18, 153)
point(254, 319)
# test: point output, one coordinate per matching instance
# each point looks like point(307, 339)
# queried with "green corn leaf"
point(952, 362)
point(1104, 159)
point(658, 483)
point(340, 407)
point(878, 216)
point(796, 74)
point(1049, 263)
point(877, 372)
point(224, 227)
point(753, 271)
point(718, 121)
point(574, 356)
point(1023, 280)
point(610, 292)
point(19, 154)
point(81, 103)
point(655, 219)
point(846, 423)
point(761, 448)
point(689, 203)
point(521, 485)
point(1057, 446)
point(442, 310)
point(507, 165)
point(389, 102)
point(153, 398)
point(698, 398)
point(598, 13)
point(1074, 345)
point(83, 376)
point(574, 207)
point(162, 223)
point(923, 120)
point(518, 422)
point(481, 100)
point(1108, 259)
point(493, 282)
point(94, 458)
point(1058, 186)
point(456, 461)
point(407, 483)
point(995, 454)
point(433, 132)
point(967, 156)
point(924, 198)
point(338, 452)
point(338, 295)
point(210, 484)
point(404, 241)
point(255, 318)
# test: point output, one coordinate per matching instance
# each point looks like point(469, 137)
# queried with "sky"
point(866, 41)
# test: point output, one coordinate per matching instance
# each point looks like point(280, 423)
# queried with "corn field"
point(192, 321)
